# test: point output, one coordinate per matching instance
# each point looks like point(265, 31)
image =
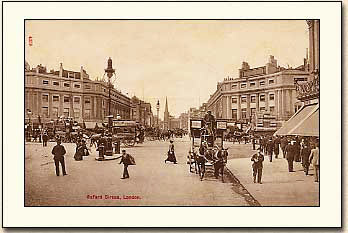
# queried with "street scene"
point(172, 113)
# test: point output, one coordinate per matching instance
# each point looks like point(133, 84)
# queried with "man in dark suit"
point(270, 148)
point(257, 165)
point(126, 162)
point(290, 151)
point(59, 152)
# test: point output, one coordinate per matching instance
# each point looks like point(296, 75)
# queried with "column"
point(277, 101)
point(71, 111)
point(248, 107)
point(82, 115)
point(266, 101)
point(284, 103)
point(39, 105)
point(229, 107)
point(238, 108)
point(257, 102)
point(50, 106)
point(60, 110)
point(291, 105)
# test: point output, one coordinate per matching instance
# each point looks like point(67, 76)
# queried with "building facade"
point(141, 112)
point(268, 88)
point(51, 95)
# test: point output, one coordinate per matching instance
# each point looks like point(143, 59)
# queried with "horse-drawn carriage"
point(207, 151)
point(125, 132)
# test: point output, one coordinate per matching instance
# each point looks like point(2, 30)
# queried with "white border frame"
point(16, 215)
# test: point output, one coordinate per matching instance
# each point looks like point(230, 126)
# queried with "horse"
point(94, 139)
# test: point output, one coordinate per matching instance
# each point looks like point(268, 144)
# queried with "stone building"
point(50, 95)
point(268, 88)
point(141, 112)
point(305, 122)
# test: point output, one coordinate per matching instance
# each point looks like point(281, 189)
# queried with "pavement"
point(279, 187)
point(97, 183)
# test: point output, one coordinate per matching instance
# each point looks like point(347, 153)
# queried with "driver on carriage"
point(209, 122)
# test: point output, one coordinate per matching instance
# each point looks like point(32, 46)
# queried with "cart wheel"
point(129, 142)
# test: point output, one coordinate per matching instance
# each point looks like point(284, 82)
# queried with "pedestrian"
point(314, 158)
point(290, 151)
point(283, 143)
point(44, 139)
point(270, 148)
point(79, 151)
point(305, 152)
point(254, 142)
point(297, 150)
point(171, 153)
point(257, 165)
point(276, 146)
point(59, 151)
point(126, 160)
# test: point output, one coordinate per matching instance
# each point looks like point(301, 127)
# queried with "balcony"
point(308, 90)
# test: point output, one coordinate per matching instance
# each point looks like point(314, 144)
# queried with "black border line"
point(156, 20)
point(342, 113)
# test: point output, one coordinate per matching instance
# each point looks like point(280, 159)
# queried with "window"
point(262, 109)
point(271, 81)
point(262, 83)
point(243, 99)
point(66, 112)
point(77, 86)
point(77, 112)
point(44, 97)
point(45, 111)
point(87, 87)
point(244, 113)
point(103, 103)
point(253, 99)
point(76, 99)
point(271, 96)
point(66, 85)
point(87, 113)
point(262, 98)
point(45, 82)
point(66, 99)
point(55, 98)
point(87, 100)
point(234, 100)
point(234, 113)
point(253, 111)
point(55, 112)
point(55, 83)
point(253, 84)
point(234, 86)
point(271, 108)
point(243, 85)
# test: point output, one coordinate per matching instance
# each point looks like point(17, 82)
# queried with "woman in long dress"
point(79, 151)
point(171, 153)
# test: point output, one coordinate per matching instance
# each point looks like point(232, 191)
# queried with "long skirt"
point(171, 157)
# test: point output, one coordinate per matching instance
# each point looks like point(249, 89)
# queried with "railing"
point(308, 90)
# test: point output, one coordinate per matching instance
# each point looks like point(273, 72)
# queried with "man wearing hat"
point(290, 151)
point(59, 151)
point(126, 162)
point(209, 120)
point(257, 165)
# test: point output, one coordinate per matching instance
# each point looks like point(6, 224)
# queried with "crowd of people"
point(304, 150)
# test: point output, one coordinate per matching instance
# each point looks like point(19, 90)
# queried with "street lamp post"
point(157, 107)
point(109, 72)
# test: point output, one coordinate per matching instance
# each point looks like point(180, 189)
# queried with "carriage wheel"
point(129, 142)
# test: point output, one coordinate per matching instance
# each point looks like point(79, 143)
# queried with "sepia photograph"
point(172, 113)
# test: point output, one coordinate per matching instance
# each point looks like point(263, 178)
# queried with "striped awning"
point(304, 122)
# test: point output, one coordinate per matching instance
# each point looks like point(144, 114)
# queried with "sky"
point(179, 59)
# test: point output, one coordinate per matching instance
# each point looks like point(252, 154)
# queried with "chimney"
point(271, 66)
point(81, 73)
point(61, 70)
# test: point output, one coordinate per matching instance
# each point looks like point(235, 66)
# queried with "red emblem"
point(30, 41)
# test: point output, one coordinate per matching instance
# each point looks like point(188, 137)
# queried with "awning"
point(304, 122)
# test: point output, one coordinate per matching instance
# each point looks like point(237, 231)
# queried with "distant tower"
point(166, 117)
